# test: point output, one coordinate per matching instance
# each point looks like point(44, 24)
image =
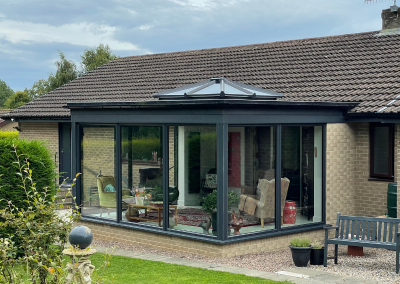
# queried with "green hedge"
point(8, 134)
point(143, 148)
point(40, 162)
point(43, 174)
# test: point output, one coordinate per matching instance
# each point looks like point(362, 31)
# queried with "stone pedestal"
point(80, 269)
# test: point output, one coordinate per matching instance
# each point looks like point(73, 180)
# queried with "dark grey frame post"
point(165, 171)
point(76, 152)
point(222, 181)
point(118, 171)
point(278, 175)
point(324, 173)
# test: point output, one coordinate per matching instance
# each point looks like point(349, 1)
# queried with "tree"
point(66, 72)
point(18, 99)
point(95, 57)
point(39, 88)
point(5, 93)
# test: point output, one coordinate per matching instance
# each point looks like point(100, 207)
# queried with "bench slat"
point(379, 231)
point(393, 220)
point(347, 229)
point(373, 231)
point(363, 230)
point(390, 232)
point(342, 229)
point(352, 229)
point(384, 231)
point(361, 243)
point(369, 231)
point(357, 229)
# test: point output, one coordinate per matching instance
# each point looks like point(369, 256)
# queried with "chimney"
point(390, 18)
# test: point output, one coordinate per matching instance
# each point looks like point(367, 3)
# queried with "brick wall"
point(397, 163)
point(340, 170)
point(135, 237)
point(8, 126)
point(347, 172)
point(45, 131)
point(98, 151)
point(371, 195)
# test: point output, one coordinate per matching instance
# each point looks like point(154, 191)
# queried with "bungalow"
point(178, 149)
point(6, 125)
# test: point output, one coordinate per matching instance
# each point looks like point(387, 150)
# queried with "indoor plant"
point(301, 249)
point(317, 253)
point(210, 206)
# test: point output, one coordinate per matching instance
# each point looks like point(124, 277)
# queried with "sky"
point(33, 31)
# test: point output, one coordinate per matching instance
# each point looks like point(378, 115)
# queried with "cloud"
point(86, 34)
point(145, 27)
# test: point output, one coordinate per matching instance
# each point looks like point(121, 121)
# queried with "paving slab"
point(295, 275)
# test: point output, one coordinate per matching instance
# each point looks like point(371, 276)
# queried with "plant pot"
point(317, 256)
point(300, 255)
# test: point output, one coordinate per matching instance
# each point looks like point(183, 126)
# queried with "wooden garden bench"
point(364, 232)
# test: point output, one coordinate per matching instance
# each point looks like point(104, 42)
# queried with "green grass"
point(128, 270)
point(131, 270)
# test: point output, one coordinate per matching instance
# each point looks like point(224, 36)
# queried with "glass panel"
point(302, 166)
point(192, 178)
point(381, 150)
point(98, 172)
point(142, 183)
point(251, 179)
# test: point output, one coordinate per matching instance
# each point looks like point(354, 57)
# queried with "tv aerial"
point(392, 8)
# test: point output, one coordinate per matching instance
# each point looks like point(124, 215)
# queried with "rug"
point(193, 217)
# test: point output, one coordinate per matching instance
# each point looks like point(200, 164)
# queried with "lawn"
point(131, 270)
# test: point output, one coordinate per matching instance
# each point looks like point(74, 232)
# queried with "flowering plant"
point(141, 192)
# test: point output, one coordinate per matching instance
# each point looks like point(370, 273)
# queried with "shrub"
point(41, 231)
point(11, 183)
point(40, 162)
point(300, 243)
point(8, 134)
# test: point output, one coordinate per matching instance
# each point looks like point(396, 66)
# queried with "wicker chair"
point(108, 199)
point(264, 206)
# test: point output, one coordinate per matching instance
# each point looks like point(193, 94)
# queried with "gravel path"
point(376, 264)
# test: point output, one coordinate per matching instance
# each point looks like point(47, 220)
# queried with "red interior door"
point(234, 159)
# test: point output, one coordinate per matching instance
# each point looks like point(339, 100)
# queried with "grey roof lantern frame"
point(218, 87)
point(220, 112)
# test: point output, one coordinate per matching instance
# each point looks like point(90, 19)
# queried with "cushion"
point(109, 188)
point(211, 181)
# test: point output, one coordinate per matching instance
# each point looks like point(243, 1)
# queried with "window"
point(381, 150)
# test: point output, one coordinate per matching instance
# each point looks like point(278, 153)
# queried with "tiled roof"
point(3, 112)
point(347, 68)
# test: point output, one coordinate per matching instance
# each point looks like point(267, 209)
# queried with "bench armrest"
point(331, 227)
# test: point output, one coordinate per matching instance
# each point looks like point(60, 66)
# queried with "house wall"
point(371, 195)
point(340, 170)
point(8, 126)
point(397, 163)
point(348, 188)
point(45, 131)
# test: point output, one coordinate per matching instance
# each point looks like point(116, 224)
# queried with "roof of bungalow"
point(358, 67)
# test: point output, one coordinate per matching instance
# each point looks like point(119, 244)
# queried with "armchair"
point(208, 184)
point(264, 206)
point(108, 199)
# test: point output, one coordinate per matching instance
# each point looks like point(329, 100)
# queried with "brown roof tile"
point(346, 68)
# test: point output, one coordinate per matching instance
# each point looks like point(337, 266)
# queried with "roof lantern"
point(218, 88)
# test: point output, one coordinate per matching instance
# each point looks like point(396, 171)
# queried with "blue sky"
point(32, 31)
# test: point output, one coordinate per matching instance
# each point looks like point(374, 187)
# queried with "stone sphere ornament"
point(80, 237)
